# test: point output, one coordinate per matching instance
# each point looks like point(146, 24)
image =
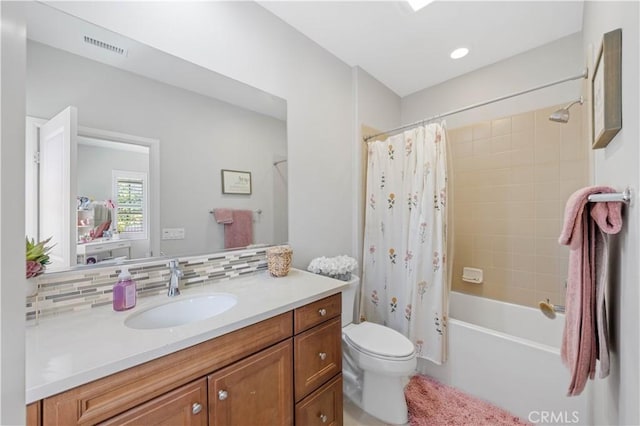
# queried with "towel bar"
point(259, 211)
point(623, 197)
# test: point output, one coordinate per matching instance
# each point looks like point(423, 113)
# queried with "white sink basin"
point(181, 311)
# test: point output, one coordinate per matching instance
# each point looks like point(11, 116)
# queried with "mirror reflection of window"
point(130, 195)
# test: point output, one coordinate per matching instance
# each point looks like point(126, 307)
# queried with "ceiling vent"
point(106, 46)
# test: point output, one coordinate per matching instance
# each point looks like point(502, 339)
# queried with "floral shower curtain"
point(405, 269)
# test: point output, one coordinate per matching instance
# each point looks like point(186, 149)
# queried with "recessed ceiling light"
point(416, 5)
point(459, 53)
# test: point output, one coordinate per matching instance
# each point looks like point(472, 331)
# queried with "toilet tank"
point(350, 301)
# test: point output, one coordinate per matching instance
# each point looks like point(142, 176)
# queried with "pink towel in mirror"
point(239, 233)
point(223, 215)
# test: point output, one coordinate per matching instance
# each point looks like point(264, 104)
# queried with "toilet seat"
point(379, 341)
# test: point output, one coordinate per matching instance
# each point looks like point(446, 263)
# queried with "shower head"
point(562, 115)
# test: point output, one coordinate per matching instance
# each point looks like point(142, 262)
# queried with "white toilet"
point(376, 363)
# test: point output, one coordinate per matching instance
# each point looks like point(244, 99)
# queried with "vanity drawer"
point(323, 407)
point(318, 357)
point(317, 312)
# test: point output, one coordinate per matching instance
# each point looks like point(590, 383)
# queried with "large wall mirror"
point(125, 147)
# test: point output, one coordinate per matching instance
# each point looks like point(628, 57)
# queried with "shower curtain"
point(405, 265)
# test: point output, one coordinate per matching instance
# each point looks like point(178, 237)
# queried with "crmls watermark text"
point(553, 417)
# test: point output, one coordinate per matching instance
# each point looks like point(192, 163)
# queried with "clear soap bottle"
point(124, 292)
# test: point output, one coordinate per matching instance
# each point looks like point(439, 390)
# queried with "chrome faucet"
point(174, 279)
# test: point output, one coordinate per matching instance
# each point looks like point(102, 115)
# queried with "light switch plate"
point(173, 233)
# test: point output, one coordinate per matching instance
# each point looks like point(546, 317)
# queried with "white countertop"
point(71, 350)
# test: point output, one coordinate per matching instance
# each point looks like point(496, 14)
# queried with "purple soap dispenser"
point(124, 292)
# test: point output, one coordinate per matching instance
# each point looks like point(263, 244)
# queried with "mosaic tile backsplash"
point(85, 289)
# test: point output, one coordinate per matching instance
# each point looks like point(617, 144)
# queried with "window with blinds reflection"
point(130, 196)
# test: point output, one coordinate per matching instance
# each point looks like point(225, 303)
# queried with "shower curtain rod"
point(455, 111)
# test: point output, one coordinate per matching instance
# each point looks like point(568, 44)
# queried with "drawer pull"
point(222, 395)
point(322, 312)
point(322, 355)
point(323, 417)
point(196, 408)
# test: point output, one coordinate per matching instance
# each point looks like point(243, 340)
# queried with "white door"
point(57, 192)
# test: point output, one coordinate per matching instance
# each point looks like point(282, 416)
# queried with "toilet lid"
point(377, 339)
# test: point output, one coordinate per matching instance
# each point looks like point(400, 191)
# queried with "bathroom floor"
point(354, 416)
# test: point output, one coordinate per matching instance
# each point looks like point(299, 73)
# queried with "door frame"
point(31, 185)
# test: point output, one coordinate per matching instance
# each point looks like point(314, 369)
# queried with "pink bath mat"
point(432, 403)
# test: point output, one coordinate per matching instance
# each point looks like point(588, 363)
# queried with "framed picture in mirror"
point(606, 90)
point(236, 182)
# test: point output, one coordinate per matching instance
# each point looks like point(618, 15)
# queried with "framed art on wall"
point(606, 90)
point(236, 182)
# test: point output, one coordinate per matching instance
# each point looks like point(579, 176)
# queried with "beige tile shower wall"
point(512, 177)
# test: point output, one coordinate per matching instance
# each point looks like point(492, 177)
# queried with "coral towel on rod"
point(585, 335)
point(239, 233)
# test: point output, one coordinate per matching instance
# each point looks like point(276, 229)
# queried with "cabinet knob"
point(196, 408)
point(322, 312)
point(222, 395)
point(322, 355)
point(323, 417)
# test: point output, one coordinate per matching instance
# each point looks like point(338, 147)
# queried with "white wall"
point(377, 107)
point(551, 62)
point(12, 269)
point(615, 400)
point(198, 136)
point(245, 42)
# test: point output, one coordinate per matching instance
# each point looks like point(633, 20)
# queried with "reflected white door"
point(57, 192)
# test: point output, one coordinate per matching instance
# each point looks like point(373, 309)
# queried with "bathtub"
point(509, 355)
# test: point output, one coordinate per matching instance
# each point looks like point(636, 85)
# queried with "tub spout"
point(549, 309)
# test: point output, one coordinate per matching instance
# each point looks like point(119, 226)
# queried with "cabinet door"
point(323, 407)
point(185, 406)
point(254, 391)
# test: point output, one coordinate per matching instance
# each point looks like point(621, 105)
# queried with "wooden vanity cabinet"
point(283, 370)
point(114, 395)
